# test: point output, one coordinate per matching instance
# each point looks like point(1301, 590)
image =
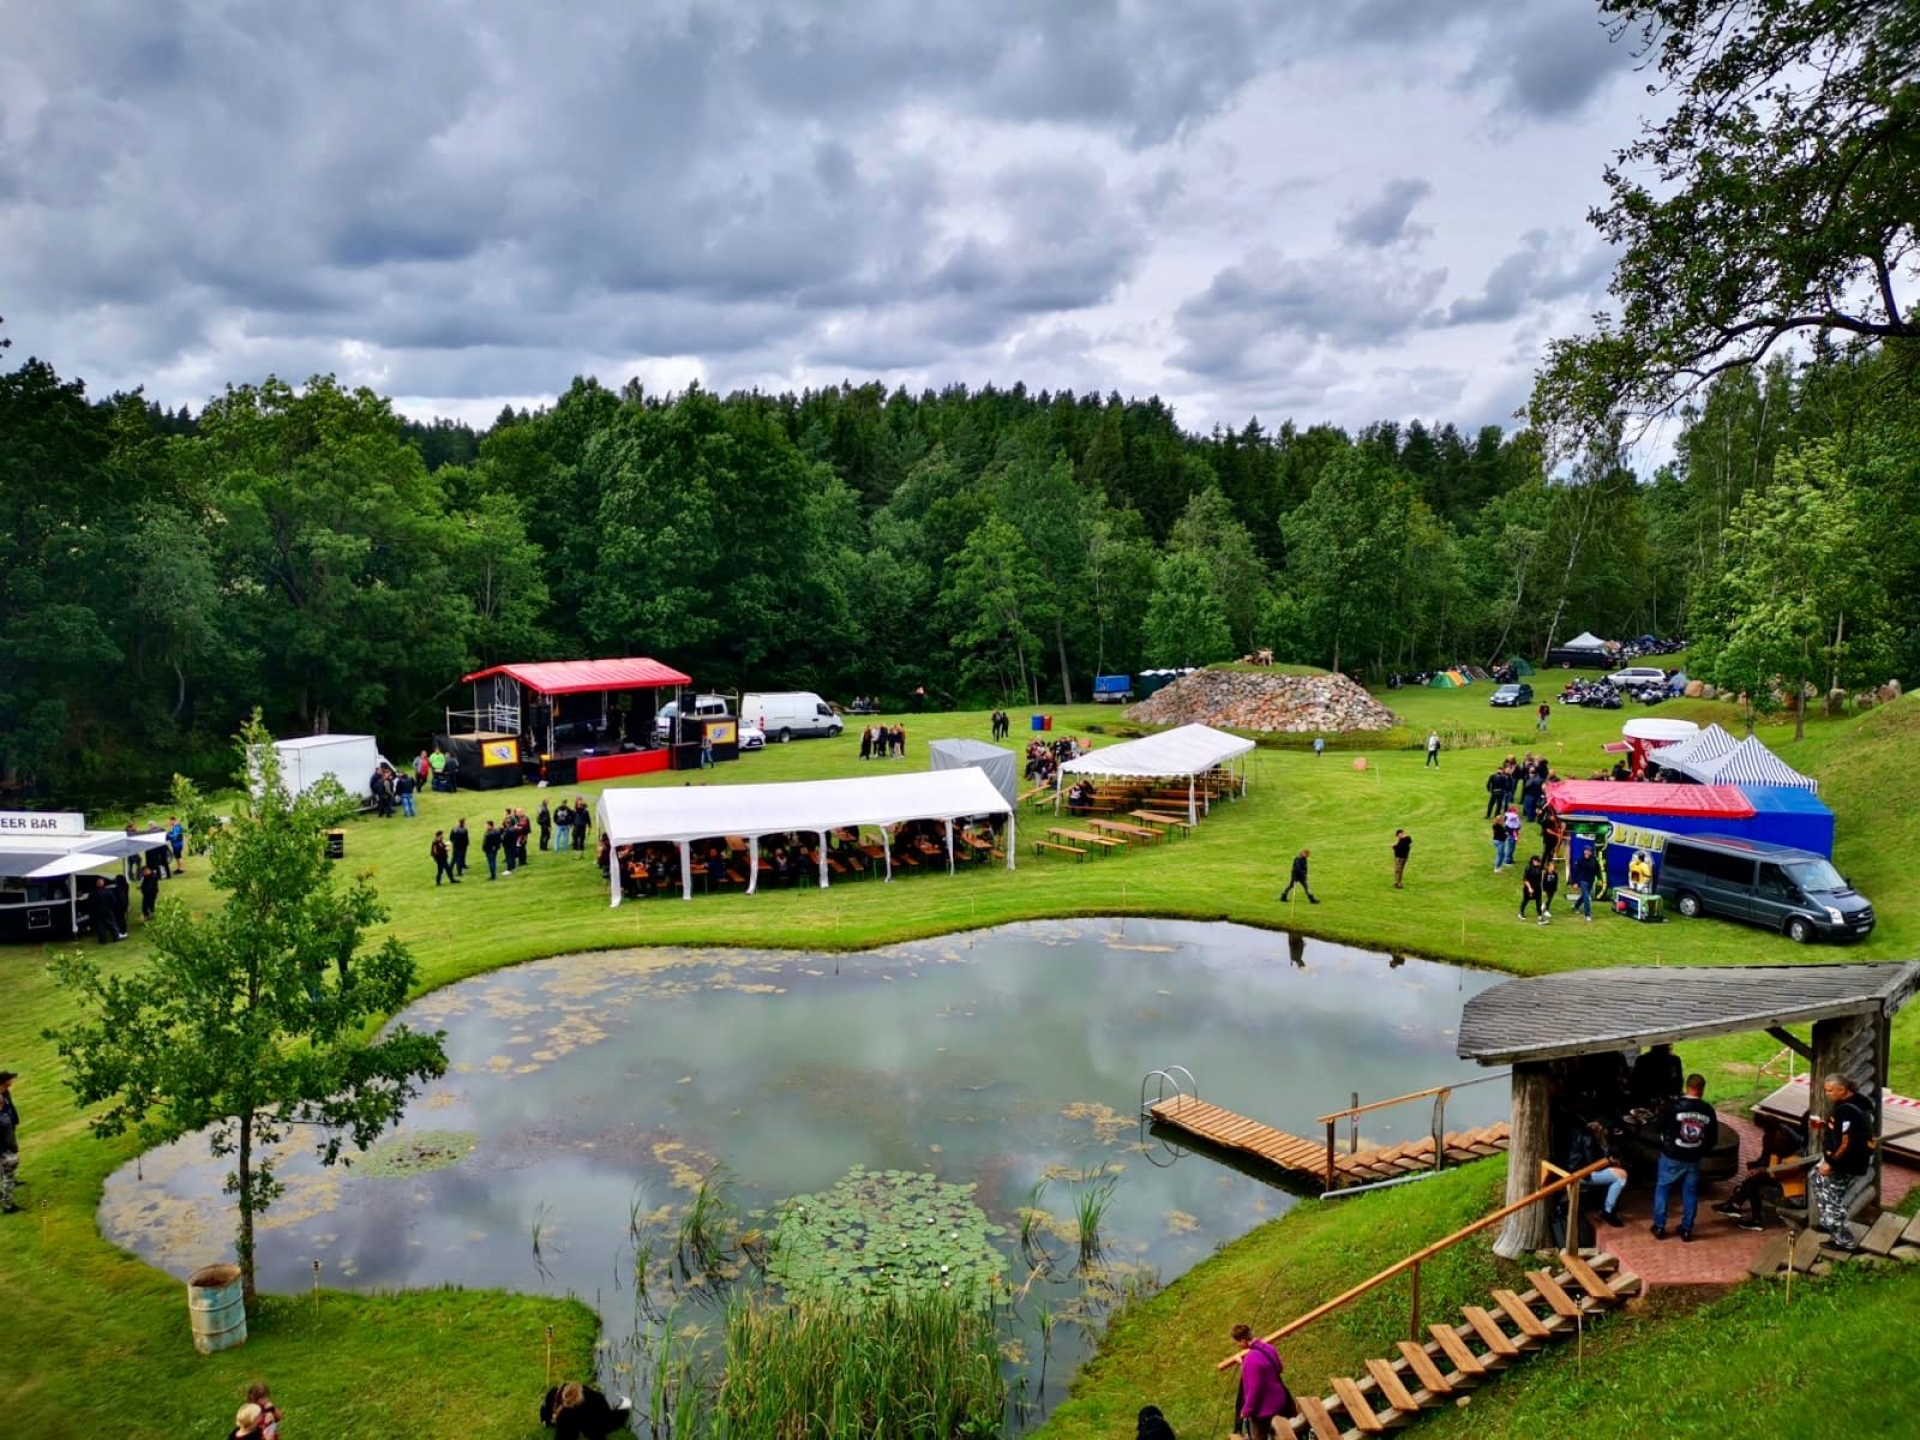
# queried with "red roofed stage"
point(1626, 797)
point(576, 729)
point(575, 677)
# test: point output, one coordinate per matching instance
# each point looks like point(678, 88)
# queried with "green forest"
point(308, 550)
point(1731, 454)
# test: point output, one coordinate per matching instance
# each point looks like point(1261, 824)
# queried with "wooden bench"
point(1073, 850)
point(1081, 837)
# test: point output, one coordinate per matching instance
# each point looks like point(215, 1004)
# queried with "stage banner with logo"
point(500, 752)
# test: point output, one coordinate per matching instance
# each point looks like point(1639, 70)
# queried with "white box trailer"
point(349, 759)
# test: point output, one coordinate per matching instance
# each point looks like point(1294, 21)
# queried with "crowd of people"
point(1045, 757)
point(508, 842)
point(883, 742)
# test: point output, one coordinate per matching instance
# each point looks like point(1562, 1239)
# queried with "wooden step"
point(1523, 1318)
point(1489, 1331)
point(1397, 1395)
point(1423, 1368)
point(1883, 1234)
point(1584, 1276)
point(1550, 1291)
point(1319, 1422)
point(1464, 1360)
point(1358, 1410)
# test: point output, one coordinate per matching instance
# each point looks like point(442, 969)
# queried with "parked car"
point(1509, 695)
point(1635, 676)
point(1795, 892)
point(752, 737)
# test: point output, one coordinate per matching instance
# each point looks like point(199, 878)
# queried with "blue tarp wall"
point(1788, 817)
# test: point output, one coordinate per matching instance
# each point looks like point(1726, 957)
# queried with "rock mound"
point(1285, 704)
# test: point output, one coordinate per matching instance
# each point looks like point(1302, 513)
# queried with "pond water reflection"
point(588, 1091)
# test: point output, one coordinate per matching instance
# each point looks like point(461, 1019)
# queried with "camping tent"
point(998, 764)
point(1520, 665)
point(1443, 680)
point(683, 814)
point(1180, 754)
point(1459, 679)
point(1749, 763)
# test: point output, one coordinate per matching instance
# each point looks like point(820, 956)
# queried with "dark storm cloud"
point(1544, 268)
point(1547, 63)
point(1234, 326)
point(1379, 221)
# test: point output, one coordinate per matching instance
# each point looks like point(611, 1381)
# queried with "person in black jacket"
point(459, 840)
point(9, 1143)
point(579, 1412)
point(1688, 1129)
point(1299, 877)
point(1846, 1153)
point(1150, 1424)
point(1402, 848)
point(149, 891)
point(545, 822)
point(122, 900)
point(490, 847)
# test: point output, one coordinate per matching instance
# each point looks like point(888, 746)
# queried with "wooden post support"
point(1330, 1155)
point(1525, 1230)
point(1353, 1125)
point(1440, 1131)
point(1413, 1325)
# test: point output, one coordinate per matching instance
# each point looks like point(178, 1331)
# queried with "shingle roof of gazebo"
point(1588, 1011)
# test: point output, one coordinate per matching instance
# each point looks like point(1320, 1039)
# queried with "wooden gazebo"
point(1529, 1023)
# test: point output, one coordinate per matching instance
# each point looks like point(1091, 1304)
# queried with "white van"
point(705, 707)
point(786, 713)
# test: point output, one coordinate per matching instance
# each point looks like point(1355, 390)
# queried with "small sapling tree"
point(253, 1019)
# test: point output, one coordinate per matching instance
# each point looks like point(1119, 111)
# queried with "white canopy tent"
point(69, 851)
point(1185, 753)
point(1585, 640)
point(681, 815)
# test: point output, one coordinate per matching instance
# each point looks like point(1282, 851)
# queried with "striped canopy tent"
point(1705, 746)
point(1751, 763)
point(1181, 754)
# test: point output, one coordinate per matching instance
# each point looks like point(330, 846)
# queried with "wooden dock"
point(1307, 1159)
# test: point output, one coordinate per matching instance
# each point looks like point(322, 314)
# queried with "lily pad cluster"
point(416, 1152)
point(884, 1232)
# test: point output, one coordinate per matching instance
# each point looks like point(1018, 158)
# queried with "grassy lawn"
point(101, 1340)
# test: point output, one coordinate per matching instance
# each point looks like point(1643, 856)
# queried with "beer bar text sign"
point(42, 822)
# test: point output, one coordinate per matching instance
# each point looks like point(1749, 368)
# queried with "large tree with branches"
point(1777, 196)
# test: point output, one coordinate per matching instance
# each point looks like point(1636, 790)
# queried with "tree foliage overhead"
point(1773, 196)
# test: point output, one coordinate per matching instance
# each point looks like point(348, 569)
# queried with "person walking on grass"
point(1545, 712)
point(149, 891)
point(1298, 876)
point(1263, 1394)
point(1585, 871)
point(1513, 835)
point(1530, 891)
point(545, 821)
point(1549, 887)
point(582, 823)
point(563, 825)
point(1499, 843)
point(1319, 746)
point(459, 839)
point(442, 870)
point(1433, 747)
point(490, 847)
point(1496, 791)
point(9, 1143)
point(1402, 848)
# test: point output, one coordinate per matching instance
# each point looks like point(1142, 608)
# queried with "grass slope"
point(81, 1309)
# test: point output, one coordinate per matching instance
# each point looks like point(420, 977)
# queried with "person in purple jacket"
point(1263, 1394)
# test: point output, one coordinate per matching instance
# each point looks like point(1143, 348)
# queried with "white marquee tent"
point(682, 814)
point(1182, 754)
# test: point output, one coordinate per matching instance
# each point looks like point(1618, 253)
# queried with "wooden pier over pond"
point(1324, 1163)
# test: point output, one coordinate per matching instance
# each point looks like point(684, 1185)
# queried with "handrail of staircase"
point(1412, 1262)
point(1414, 1095)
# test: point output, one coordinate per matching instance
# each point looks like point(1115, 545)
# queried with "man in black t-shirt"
point(1846, 1153)
point(1688, 1129)
point(1402, 847)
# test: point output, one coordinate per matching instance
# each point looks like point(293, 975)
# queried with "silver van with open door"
point(1793, 892)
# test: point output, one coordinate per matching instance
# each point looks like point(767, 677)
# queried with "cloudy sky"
point(1347, 211)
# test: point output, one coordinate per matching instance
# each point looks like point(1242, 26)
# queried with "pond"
point(589, 1095)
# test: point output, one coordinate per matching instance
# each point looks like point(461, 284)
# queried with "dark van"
point(1795, 892)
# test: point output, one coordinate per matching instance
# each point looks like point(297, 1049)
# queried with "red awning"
point(570, 677)
point(1623, 797)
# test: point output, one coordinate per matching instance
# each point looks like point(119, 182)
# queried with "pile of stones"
point(1278, 704)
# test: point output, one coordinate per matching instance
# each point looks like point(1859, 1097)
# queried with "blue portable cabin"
point(1112, 689)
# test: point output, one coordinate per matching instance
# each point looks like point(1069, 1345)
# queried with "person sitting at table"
point(1762, 1187)
point(1080, 798)
point(782, 866)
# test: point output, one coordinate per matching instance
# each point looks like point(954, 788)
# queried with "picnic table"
point(1175, 824)
point(1102, 843)
point(1124, 830)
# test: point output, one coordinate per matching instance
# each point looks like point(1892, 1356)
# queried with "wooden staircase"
point(1462, 1357)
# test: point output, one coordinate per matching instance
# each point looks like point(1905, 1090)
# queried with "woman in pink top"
point(1263, 1394)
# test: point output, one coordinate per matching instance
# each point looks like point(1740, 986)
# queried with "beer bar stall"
point(47, 861)
point(567, 722)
